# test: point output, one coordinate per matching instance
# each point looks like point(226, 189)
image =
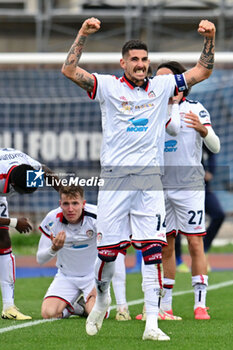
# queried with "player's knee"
point(195, 246)
point(47, 311)
point(46, 314)
point(152, 254)
point(107, 255)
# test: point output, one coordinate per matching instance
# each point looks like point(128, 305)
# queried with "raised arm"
point(205, 64)
point(71, 68)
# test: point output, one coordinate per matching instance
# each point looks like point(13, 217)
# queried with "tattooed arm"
point(204, 66)
point(71, 68)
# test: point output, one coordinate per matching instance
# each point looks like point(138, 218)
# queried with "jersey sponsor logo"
point(90, 233)
point(123, 98)
point(79, 246)
point(162, 235)
point(203, 114)
point(99, 237)
point(170, 146)
point(198, 228)
point(11, 155)
point(138, 125)
point(127, 107)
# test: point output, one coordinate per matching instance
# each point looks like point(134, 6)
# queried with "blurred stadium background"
point(50, 118)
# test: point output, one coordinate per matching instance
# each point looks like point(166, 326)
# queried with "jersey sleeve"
point(203, 114)
point(173, 123)
point(47, 225)
point(168, 84)
point(44, 252)
point(103, 82)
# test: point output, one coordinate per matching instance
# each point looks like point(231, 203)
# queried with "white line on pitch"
point(133, 302)
point(24, 325)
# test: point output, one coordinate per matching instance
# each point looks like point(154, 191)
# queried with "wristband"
point(13, 222)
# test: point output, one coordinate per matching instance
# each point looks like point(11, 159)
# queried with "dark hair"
point(18, 179)
point(176, 68)
point(133, 44)
point(72, 191)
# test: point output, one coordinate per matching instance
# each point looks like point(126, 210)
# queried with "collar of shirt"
point(132, 85)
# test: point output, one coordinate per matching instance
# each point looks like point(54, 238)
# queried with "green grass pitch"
point(188, 334)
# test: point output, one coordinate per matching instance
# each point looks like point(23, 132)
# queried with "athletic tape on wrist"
point(13, 222)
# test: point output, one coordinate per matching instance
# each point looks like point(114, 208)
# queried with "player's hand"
point(23, 225)
point(58, 241)
point(193, 121)
point(90, 26)
point(177, 98)
point(207, 29)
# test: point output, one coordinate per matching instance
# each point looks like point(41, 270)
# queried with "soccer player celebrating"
point(69, 233)
point(183, 182)
point(14, 165)
point(133, 119)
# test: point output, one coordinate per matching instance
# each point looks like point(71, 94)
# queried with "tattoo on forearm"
point(207, 55)
point(75, 52)
point(85, 82)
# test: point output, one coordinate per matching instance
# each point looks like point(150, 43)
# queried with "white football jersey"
point(78, 255)
point(133, 121)
point(9, 158)
point(183, 153)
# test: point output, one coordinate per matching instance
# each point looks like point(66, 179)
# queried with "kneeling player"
point(69, 233)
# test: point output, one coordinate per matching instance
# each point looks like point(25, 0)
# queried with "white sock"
point(200, 283)
point(152, 288)
point(200, 295)
point(7, 279)
point(166, 300)
point(119, 282)
point(103, 275)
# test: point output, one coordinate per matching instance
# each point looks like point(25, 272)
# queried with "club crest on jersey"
point(151, 94)
point(90, 233)
point(99, 237)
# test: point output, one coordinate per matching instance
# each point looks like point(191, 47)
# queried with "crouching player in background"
point(69, 233)
point(14, 168)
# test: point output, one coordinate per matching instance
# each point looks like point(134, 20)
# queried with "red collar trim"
point(6, 186)
point(62, 219)
point(132, 85)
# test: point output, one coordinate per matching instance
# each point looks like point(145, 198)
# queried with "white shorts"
point(4, 210)
point(131, 215)
point(69, 288)
point(185, 212)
